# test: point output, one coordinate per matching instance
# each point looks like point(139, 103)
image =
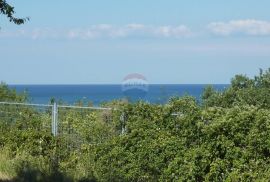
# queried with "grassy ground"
point(4, 177)
point(7, 170)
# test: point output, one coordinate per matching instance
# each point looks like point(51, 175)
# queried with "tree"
point(241, 82)
point(8, 11)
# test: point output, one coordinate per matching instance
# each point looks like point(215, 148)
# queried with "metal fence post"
point(122, 119)
point(55, 119)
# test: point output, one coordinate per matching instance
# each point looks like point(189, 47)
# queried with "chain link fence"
point(83, 125)
point(74, 125)
point(25, 116)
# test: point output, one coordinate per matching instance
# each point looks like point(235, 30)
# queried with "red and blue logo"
point(135, 86)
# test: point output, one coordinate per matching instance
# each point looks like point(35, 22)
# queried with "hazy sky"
point(98, 41)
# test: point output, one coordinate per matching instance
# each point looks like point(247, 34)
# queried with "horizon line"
point(100, 84)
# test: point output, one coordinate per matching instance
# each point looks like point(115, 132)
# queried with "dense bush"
point(223, 137)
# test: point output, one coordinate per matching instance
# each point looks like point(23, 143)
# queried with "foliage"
point(225, 137)
point(243, 91)
point(7, 10)
point(7, 94)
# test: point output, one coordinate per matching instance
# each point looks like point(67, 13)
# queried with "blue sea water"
point(98, 94)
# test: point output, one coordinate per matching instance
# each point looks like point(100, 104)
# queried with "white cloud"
point(131, 30)
point(104, 31)
point(246, 27)
point(134, 30)
point(135, 26)
point(169, 31)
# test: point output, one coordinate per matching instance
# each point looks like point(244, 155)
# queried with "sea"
point(98, 94)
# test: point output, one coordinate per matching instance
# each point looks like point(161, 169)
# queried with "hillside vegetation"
point(223, 137)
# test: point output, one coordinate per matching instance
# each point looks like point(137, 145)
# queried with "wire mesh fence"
point(74, 125)
point(25, 116)
point(83, 125)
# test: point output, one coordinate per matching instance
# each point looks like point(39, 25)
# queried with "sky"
point(100, 42)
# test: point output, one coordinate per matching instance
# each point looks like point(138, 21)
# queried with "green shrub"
point(225, 137)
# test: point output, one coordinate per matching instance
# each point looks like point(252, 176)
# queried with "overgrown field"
point(224, 137)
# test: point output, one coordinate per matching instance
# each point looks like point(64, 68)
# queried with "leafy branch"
point(8, 11)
